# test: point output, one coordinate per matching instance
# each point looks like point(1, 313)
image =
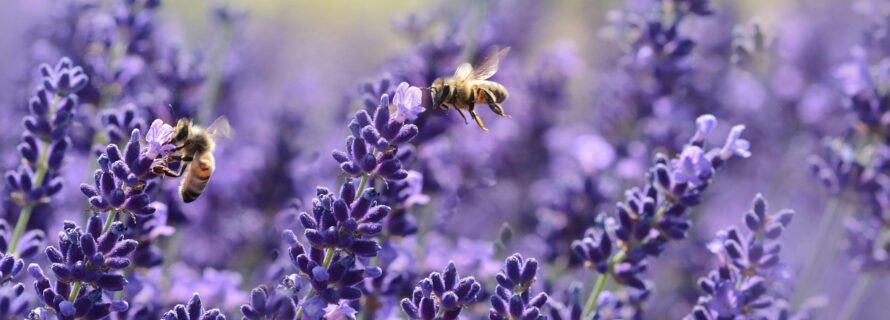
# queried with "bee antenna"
point(172, 111)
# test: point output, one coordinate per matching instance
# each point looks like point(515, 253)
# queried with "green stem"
point(598, 287)
point(20, 225)
point(361, 186)
point(851, 306)
point(75, 291)
point(112, 216)
point(39, 176)
point(831, 210)
point(601, 281)
point(328, 257)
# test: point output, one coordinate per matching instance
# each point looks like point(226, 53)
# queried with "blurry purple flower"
point(194, 310)
point(341, 311)
point(158, 138)
point(593, 153)
point(407, 102)
point(692, 166)
point(854, 78)
point(735, 145)
point(703, 126)
point(222, 286)
point(413, 192)
point(119, 122)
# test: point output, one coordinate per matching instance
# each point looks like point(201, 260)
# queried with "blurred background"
point(590, 108)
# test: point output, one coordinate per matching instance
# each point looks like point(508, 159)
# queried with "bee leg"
point(477, 118)
point(162, 170)
point(495, 107)
point(461, 113)
point(180, 158)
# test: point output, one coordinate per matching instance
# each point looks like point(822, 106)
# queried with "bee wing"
point(489, 67)
point(463, 72)
point(220, 128)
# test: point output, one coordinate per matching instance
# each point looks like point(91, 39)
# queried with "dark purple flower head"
point(12, 302)
point(92, 256)
point(441, 295)
point(64, 79)
point(512, 298)
point(371, 150)
point(45, 141)
point(86, 265)
point(118, 123)
point(594, 249)
point(345, 222)
point(29, 244)
point(334, 275)
point(124, 181)
point(269, 304)
point(749, 263)
point(194, 310)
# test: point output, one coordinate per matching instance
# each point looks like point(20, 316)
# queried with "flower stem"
point(851, 306)
point(828, 220)
point(75, 291)
point(112, 216)
point(20, 225)
point(39, 176)
point(598, 287)
point(361, 186)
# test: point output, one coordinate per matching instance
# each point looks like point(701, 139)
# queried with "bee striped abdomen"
point(496, 89)
point(196, 178)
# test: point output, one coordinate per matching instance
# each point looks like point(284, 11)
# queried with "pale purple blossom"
point(408, 103)
point(414, 191)
point(341, 311)
point(735, 145)
point(704, 125)
point(691, 167)
point(158, 138)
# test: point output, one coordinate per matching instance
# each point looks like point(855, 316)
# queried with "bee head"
point(439, 93)
point(182, 130)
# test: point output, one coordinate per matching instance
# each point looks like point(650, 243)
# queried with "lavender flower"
point(123, 181)
point(407, 102)
point(118, 123)
point(512, 298)
point(334, 275)
point(268, 304)
point(345, 222)
point(12, 301)
point(371, 149)
point(441, 295)
point(749, 265)
point(45, 140)
point(194, 310)
point(650, 217)
point(84, 265)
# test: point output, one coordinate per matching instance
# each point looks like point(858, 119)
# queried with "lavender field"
point(490, 159)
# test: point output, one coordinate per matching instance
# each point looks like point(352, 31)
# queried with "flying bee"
point(193, 148)
point(469, 86)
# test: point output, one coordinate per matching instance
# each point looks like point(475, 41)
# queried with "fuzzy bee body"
point(195, 146)
point(469, 86)
point(200, 169)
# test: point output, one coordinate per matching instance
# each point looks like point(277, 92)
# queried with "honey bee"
point(469, 86)
point(194, 147)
